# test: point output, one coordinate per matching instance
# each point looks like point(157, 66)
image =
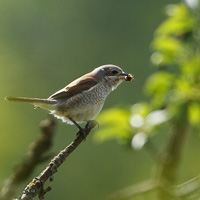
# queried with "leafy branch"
point(173, 108)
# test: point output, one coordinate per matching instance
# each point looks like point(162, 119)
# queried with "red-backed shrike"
point(82, 99)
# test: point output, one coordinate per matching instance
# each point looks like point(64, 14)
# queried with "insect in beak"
point(128, 77)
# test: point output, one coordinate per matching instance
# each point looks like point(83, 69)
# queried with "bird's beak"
point(124, 74)
point(127, 77)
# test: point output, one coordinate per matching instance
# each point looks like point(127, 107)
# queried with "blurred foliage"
point(47, 44)
point(116, 118)
point(174, 85)
point(174, 98)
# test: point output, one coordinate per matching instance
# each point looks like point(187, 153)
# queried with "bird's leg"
point(75, 123)
point(79, 127)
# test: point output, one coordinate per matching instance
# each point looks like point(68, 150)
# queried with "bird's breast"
point(85, 105)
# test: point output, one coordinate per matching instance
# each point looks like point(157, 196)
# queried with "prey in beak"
point(128, 77)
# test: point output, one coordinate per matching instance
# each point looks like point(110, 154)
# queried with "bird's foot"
point(83, 132)
point(91, 124)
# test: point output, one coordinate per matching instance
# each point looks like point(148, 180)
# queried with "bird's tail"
point(47, 104)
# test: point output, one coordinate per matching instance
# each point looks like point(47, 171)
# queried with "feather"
point(81, 84)
point(43, 103)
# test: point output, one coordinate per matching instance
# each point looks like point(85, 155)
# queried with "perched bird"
point(83, 98)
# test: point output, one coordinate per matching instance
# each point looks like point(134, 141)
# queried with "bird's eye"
point(114, 72)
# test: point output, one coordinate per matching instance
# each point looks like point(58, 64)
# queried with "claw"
point(83, 131)
point(92, 123)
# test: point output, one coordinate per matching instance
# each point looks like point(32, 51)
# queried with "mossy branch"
point(36, 186)
point(34, 156)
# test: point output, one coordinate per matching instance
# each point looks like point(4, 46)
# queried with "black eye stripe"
point(114, 72)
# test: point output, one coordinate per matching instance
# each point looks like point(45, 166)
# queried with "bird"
point(82, 99)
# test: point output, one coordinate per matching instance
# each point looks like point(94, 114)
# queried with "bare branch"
point(135, 190)
point(36, 186)
point(170, 158)
point(188, 188)
point(34, 156)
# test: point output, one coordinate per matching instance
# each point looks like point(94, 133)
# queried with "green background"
point(44, 45)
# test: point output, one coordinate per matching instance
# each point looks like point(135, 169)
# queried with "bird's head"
point(112, 73)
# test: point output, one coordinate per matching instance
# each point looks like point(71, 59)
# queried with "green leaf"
point(179, 22)
point(114, 124)
point(158, 85)
point(191, 68)
point(194, 113)
point(168, 42)
point(141, 108)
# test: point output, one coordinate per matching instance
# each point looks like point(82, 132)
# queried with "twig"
point(135, 190)
point(182, 191)
point(189, 187)
point(36, 186)
point(34, 157)
point(171, 156)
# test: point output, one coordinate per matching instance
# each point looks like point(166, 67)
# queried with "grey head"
point(109, 75)
point(109, 72)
